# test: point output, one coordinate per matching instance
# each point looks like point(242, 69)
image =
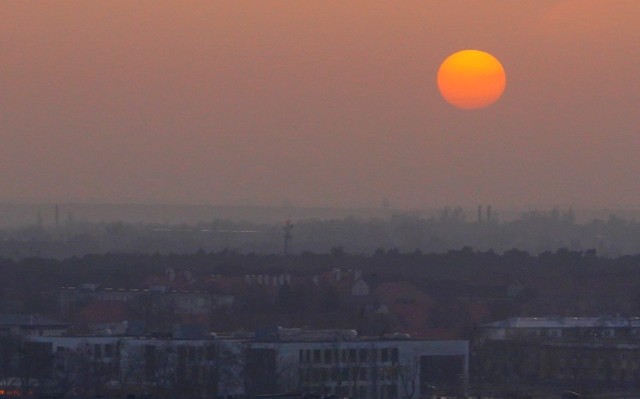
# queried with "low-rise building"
point(30, 325)
point(279, 360)
point(585, 353)
point(338, 362)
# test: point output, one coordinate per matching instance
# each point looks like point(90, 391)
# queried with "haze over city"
point(319, 199)
point(324, 103)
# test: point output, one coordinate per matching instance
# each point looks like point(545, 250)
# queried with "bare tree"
point(407, 373)
point(9, 345)
point(230, 364)
point(160, 369)
point(287, 373)
point(130, 374)
point(72, 372)
point(62, 376)
point(33, 365)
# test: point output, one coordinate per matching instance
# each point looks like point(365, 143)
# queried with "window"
point(384, 355)
point(301, 356)
point(554, 333)
point(327, 356)
point(363, 355)
point(316, 356)
point(323, 374)
point(394, 355)
point(211, 352)
point(352, 355)
point(108, 350)
point(304, 375)
point(363, 374)
point(97, 352)
point(344, 373)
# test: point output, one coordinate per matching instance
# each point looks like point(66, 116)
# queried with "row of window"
point(340, 374)
point(189, 353)
point(97, 350)
point(583, 332)
point(329, 356)
point(361, 391)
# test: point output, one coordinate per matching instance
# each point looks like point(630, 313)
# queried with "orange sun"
point(471, 79)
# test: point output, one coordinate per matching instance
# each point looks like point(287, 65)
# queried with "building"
point(563, 328)
point(338, 362)
point(273, 361)
point(589, 354)
point(118, 366)
point(111, 310)
point(30, 325)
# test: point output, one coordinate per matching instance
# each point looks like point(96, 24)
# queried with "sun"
point(471, 79)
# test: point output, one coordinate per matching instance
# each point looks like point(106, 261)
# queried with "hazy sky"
point(317, 102)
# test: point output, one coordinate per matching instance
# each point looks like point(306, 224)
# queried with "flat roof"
point(565, 322)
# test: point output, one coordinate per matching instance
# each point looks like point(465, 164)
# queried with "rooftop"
point(566, 322)
point(27, 320)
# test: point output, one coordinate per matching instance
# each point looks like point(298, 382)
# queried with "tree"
point(34, 365)
point(230, 364)
point(287, 374)
point(9, 346)
point(130, 360)
point(407, 373)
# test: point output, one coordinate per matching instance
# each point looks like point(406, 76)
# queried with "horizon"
point(17, 215)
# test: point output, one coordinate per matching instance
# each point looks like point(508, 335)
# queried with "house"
point(349, 283)
point(409, 305)
point(359, 288)
point(103, 317)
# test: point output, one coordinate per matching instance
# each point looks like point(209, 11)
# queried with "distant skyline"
point(319, 103)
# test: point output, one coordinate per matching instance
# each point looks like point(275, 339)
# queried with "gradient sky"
point(317, 102)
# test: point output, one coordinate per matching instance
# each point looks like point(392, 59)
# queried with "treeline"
point(553, 282)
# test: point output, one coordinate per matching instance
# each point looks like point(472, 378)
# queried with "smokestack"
point(56, 216)
point(488, 213)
